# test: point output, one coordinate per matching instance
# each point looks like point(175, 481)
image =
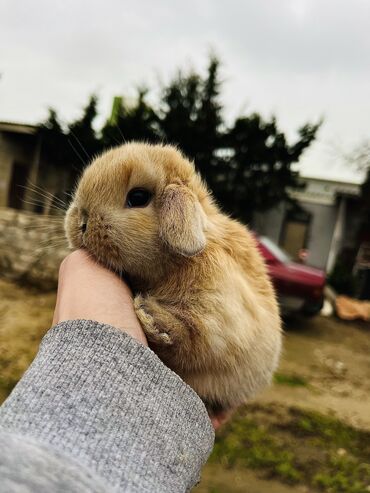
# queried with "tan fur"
point(202, 293)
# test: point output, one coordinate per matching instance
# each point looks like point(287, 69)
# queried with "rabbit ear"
point(182, 221)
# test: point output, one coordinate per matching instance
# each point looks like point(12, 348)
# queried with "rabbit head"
point(137, 208)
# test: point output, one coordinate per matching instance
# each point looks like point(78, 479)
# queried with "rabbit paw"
point(152, 331)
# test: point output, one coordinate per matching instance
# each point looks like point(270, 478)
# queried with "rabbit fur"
point(201, 290)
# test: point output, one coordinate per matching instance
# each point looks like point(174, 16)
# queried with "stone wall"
point(31, 247)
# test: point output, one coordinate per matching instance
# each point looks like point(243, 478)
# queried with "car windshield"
point(275, 250)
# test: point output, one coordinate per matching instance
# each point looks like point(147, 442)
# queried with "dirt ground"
point(332, 358)
point(325, 368)
point(25, 315)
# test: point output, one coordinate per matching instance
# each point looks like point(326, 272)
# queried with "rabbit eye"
point(138, 197)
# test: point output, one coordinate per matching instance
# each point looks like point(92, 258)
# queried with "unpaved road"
point(325, 367)
point(215, 479)
point(333, 357)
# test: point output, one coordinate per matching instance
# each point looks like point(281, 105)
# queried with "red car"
point(299, 288)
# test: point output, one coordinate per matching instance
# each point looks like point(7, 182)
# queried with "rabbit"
point(201, 290)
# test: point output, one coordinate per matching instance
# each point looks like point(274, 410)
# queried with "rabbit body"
point(202, 292)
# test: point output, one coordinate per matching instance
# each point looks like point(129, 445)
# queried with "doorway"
point(295, 232)
point(18, 181)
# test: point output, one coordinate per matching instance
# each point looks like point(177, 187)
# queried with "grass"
point(329, 432)
point(343, 475)
point(247, 444)
point(291, 380)
point(297, 446)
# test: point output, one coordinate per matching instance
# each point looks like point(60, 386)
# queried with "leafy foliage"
point(54, 140)
point(190, 116)
point(71, 148)
point(290, 380)
point(84, 143)
point(360, 159)
point(365, 212)
point(248, 166)
point(260, 169)
point(131, 122)
point(335, 456)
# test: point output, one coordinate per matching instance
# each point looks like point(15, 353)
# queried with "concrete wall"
point(31, 247)
point(320, 232)
point(270, 223)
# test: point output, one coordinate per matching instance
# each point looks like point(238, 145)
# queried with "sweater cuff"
point(99, 396)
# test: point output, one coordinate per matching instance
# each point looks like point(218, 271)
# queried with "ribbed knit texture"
point(99, 397)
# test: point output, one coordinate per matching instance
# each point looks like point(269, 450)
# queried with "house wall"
point(323, 218)
point(20, 148)
point(26, 150)
point(270, 223)
point(50, 181)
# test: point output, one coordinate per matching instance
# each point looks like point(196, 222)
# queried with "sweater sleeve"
point(97, 404)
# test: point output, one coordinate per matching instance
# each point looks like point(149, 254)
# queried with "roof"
point(350, 181)
point(324, 191)
point(18, 128)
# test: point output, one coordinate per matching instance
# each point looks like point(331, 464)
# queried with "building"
point(323, 223)
point(19, 162)
point(22, 169)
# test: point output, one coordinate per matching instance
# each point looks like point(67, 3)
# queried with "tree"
point(84, 144)
point(191, 116)
point(259, 171)
point(73, 148)
point(360, 159)
point(343, 277)
point(248, 166)
point(127, 122)
point(365, 203)
point(54, 141)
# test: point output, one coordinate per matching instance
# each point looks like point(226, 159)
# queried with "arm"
point(98, 411)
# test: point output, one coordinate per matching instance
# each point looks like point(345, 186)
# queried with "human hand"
point(87, 290)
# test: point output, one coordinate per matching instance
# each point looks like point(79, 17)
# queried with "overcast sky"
point(297, 59)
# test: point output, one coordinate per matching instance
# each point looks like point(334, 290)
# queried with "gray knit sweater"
point(99, 412)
